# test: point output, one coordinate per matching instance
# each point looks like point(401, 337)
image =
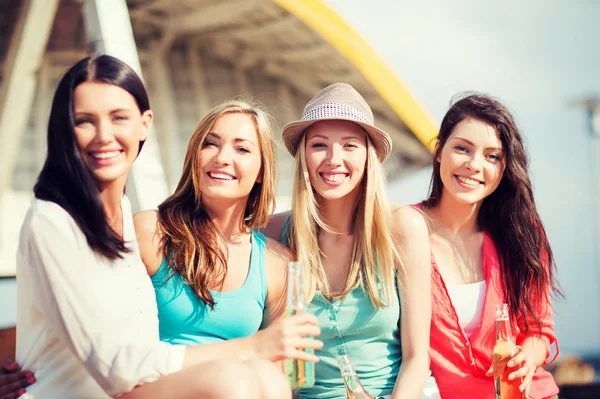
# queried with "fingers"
point(12, 382)
point(302, 355)
point(490, 372)
point(519, 358)
point(526, 383)
point(304, 330)
point(9, 366)
point(14, 395)
point(303, 318)
point(307, 343)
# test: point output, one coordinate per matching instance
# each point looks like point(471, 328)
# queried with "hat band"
point(334, 110)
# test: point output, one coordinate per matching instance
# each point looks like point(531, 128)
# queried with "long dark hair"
point(509, 214)
point(64, 179)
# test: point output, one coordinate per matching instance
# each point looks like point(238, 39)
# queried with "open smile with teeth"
point(220, 176)
point(468, 181)
point(333, 177)
point(105, 155)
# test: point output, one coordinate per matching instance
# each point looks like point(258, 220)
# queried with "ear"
point(146, 123)
point(436, 148)
point(259, 178)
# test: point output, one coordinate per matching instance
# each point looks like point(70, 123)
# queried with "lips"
point(103, 155)
point(333, 179)
point(468, 181)
point(223, 176)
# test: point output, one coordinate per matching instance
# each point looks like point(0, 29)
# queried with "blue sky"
point(538, 57)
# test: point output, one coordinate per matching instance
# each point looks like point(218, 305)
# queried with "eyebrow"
point(236, 140)
point(114, 111)
point(471, 143)
point(351, 137)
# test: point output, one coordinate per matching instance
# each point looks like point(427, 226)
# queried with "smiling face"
point(471, 162)
point(108, 130)
point(336, 157)
point(230, 159)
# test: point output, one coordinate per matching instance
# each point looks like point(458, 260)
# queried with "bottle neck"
point(295, 297)
point(503, 331)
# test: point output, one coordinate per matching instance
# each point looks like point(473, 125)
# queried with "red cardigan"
point(459, 364)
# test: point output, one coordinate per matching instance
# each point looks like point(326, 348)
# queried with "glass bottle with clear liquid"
point(354, 388)
point(504, 350)
point(300, 374)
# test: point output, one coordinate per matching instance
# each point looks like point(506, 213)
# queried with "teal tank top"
point(184, 319)
point(369, 336)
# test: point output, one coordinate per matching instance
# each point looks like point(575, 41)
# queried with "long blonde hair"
point(374, 252)
point(189, 238)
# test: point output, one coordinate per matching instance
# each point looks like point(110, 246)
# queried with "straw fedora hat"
point(339, 101)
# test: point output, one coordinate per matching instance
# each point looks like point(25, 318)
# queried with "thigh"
point(213, 380)
point(273, 383)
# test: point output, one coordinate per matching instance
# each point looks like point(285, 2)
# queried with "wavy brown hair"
point(189, 238)
point(509, 214)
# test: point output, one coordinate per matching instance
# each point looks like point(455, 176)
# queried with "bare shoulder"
point(408, 219)
point(278, 255)
point(148, 237)
point(146, 221)
point(275, 225)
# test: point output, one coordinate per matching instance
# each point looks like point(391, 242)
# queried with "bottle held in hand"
point(300, 374)
point(504, 350)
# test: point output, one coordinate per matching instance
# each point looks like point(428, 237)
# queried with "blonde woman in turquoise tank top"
point(364, 258)
point(214, 274)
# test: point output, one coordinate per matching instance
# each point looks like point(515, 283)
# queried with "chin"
point(467, 200)
point(333, 194)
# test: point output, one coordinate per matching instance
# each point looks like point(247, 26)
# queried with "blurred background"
point(408, 59)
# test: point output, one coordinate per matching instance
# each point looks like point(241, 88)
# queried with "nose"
point(474, 163)
point(334, 155)
point(104, 132)
point(223, 156)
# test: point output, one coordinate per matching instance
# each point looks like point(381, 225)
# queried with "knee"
point(273, 383)
point(236, 381)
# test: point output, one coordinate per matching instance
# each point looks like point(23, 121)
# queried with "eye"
point(350, 146)
point(495, 157)
point(461, 148)
point(120, 118)
point(208, 143)
point(243, 150)
point(82, 121)
point(318, 145)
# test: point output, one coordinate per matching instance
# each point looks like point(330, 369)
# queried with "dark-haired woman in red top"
point(488, 247)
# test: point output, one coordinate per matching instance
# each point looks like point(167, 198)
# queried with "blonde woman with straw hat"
point(364, 259)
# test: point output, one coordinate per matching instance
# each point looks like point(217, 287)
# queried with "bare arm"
point(267, 345)
point(412, 235)
point(278, 256)
point(148, 238)
point(275, 226)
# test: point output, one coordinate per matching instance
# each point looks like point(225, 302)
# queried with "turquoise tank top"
point(369, 336)
point(184, 319)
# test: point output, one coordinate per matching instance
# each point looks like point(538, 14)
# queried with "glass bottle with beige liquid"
point(300, 374)
point(504, 350)
point(354, 388)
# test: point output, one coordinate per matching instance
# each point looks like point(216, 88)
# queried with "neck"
point(111, 195)
point(455, 217)
point(226, 215)
point(337, 214)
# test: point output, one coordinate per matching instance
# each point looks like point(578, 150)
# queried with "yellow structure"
point(193, 55)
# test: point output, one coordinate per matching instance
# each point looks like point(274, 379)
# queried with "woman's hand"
point(13, 381)
point(287, 338)
point(526, 370)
